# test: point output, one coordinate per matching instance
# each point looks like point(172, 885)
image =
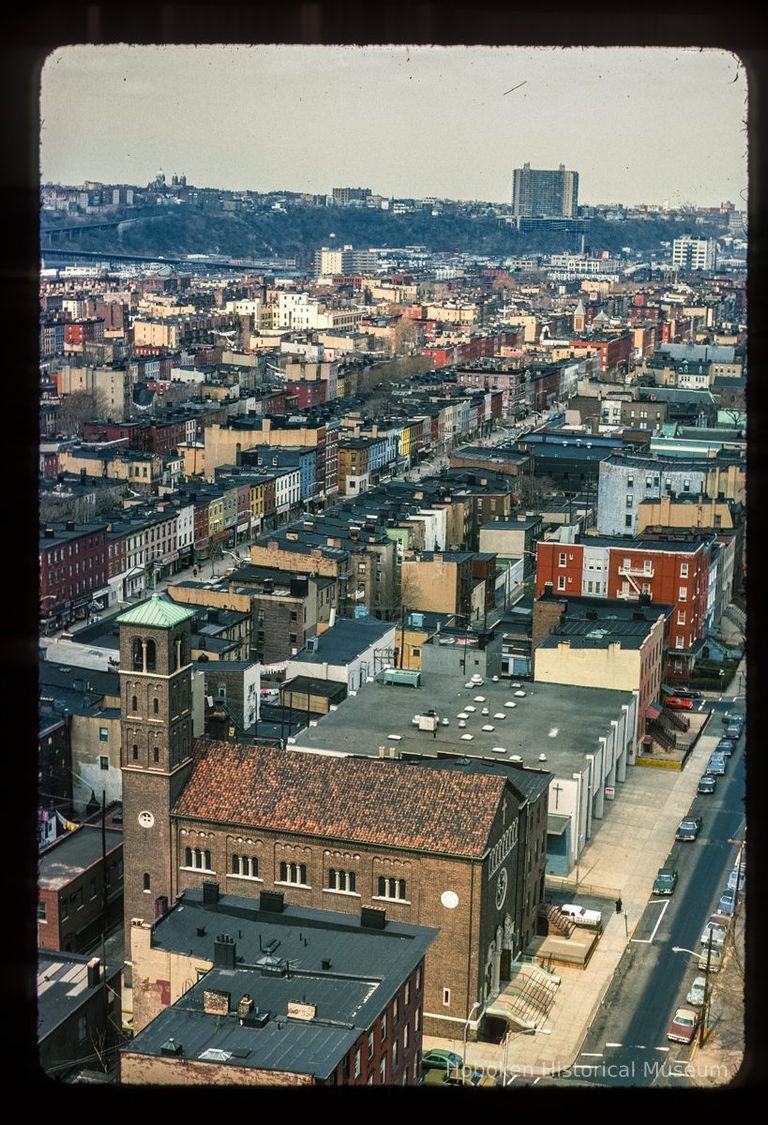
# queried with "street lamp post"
point(705, 1005)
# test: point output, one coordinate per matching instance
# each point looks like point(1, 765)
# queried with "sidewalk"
point(629, 847)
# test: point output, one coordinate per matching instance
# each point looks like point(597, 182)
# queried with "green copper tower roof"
point(157, 612)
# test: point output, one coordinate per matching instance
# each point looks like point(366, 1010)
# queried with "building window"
point(686, 486)
point(41, 912)
point(394, 1056)
point(147, 882)
point(151, 656)
point(341, 880)
point(357, 1063)
point(648, 482)
point(64, 909)
point(82, 1028)
point(561, 582)
point(561, 559)
point(682, 594)
point(629, 501)
point(370, 1044)
point(383, 1072)
point(155, 706)
point(103, 762)
point(447, 997)
point(406, 1036)
point(198, 858)
point(681, 617)
point(294, 873)
point(418, 982)
point(683, 570)
point(246, 866)
point(680, 642)
point(135, 752)
point(391, 888)
point(134, 703)
point(137, 653)
point(646, 587)
point(407, 997)
point(395, 1012)
point(628, 521)
point(103, 734)
point(156, 754)
point(383, 1027)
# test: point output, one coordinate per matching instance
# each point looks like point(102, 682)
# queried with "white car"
point(696, 992)
point(581, 916)
point(734, 877)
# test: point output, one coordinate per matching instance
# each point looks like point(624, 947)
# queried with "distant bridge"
point(52, 233)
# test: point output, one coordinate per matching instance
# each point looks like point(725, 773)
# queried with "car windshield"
point(684, 1021)
point(688, 824)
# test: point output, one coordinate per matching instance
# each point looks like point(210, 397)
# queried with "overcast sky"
point(638, 124)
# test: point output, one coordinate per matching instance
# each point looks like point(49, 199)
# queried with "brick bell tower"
point(156, 747)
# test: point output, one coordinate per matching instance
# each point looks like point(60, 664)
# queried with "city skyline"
point(295, 118)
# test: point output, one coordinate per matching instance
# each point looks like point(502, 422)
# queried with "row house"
point(669, 572)
point(507, 381)
point(77, 333)
point(52, 338)
point(614, 353)
point(73, 569)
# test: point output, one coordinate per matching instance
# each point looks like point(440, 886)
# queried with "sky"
point(639, 125)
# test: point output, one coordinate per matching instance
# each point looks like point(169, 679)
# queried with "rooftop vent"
point(499, 749)
point(372, 919)
point(171, 1047)
point(467, 737)
point(515, 758)
point(271, 901)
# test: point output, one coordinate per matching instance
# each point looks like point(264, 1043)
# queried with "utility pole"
point(705, 1005)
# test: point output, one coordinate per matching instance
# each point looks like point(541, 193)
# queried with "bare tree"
point(78, 408)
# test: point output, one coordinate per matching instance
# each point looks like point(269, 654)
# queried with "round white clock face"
point(146, 819)
point(449, 899)
point(501, 888)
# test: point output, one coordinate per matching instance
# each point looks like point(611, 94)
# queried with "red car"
point(682, 1026)
point(677, 704)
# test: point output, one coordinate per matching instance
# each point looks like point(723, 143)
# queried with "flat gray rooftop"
point(560, 721)
point(69, 857)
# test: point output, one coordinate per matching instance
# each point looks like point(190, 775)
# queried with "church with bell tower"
point(156, 746)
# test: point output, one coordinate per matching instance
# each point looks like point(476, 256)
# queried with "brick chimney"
point(547, 612)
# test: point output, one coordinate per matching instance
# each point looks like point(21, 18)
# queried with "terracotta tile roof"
point(371, 801)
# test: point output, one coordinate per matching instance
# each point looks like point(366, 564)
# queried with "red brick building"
point(254, 1023)
point(72, 880)
point(73, 567)
point(670, 573)
point(459, 847)
point(614, 352)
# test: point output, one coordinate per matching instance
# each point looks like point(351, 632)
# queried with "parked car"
point(716, 764)
point(706, 784)
point(581, 916)
point(676, 703)
point(713, 957)
point(665, 882)
point(687, 693)
point(688, 828)
point(735, 878)
point(467, 1076)
point(726, 903)
point(696, 992)
point(733, 730)
point(725, 746)
point(718, 930)
point(682, 1026)
point(441, 1060)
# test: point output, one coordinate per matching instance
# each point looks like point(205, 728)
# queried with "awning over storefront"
point(556, 825)
point(653, 710)
point(527, 998)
